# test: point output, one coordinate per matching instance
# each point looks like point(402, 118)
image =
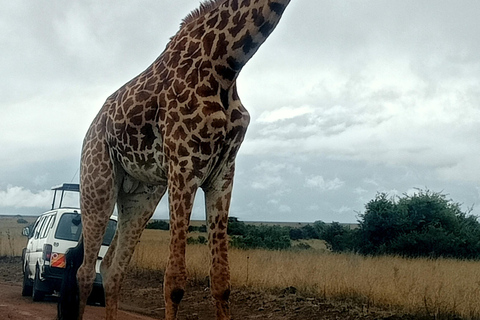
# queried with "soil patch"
point(142, 293)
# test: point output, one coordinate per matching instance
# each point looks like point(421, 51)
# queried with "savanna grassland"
point(11, 239)
point(440, 288)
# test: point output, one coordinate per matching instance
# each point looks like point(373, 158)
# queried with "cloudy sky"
point(347, 98)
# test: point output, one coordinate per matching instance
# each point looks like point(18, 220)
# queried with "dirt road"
point(15, 307)
point(142, 299)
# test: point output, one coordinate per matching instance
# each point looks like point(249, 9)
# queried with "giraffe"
point(177, 126)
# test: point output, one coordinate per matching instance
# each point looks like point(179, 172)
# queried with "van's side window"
point(47, 225)
point(41, 232)
point(69, 227)
point(34, 228)
point(39, 227)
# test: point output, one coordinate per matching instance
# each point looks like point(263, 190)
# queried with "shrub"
point(236, 227)
point(425, 224)
point(296, 234)
point(267, 237)
point(302, 246)
point(339, 238)
point(309, 232)
point(202, 228)
point(198, 240)
point(158, 224)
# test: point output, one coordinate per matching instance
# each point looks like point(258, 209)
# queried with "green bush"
point(158, 224)
point(267, 237)
point(339, 238)
point(302, 246)
point(236, 227)
point(295, 234)
point(202, 228)
point(307, 231)
point(426, 224)
point(198, 240)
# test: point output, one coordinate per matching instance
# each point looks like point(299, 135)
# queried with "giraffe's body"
point(177, 127)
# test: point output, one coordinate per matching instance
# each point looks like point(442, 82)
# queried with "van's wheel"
point(27, 286)
point(37, 293)
point(97, 297)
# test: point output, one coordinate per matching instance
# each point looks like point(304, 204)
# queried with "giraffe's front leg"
point(217, 205)
point(181, 196)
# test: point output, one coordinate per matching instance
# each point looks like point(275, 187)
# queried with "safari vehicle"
point(52, 234)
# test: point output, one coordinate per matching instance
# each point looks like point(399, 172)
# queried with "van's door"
point(39, 239)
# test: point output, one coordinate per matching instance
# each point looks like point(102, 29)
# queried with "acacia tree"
point(424, 224)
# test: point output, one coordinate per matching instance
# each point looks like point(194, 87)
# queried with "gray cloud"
point(350, 97)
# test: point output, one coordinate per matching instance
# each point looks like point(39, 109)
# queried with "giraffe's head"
point(228, 33)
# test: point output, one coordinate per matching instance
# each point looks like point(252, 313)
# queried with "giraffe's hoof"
point(177, 295)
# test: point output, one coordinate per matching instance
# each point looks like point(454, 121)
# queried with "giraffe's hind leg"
point(135, 208)
point(97, 200)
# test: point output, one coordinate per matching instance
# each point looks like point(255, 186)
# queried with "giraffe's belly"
point(147, 152)
point(147, 167)
point(139, 153)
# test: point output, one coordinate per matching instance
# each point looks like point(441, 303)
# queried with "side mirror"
point(77, 220)
point(26, 231)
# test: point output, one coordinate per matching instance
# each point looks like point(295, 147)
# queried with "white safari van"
point(52, 234)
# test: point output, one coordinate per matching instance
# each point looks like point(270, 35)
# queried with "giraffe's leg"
point(97, 200)
point(95, 216)
point(134, 210)
point(217, 197)
point(181, 192)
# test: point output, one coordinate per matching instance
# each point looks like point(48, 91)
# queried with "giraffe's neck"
point(226, 33)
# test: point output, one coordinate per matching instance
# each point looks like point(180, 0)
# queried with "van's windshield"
point(70, 228)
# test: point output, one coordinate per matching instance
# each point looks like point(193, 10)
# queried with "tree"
point(296, 234)
point(338, 238)
point(423, 224)
point(380, 224)
point(309, 232)
point(267, 237)
point(236, 227)
point(319, 227)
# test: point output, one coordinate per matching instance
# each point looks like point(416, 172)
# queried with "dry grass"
point(440, 287)
point(11, 240)
point(435, 287)
point(420, 286)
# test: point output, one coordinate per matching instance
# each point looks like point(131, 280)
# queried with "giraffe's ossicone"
point(177, 126)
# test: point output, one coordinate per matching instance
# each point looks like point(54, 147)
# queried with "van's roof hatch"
point(71, 187)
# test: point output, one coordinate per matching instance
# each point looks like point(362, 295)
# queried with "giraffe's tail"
point(68, 303)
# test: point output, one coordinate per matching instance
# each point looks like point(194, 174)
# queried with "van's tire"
point(27, 286)
point(37, 293)
point(97, 297)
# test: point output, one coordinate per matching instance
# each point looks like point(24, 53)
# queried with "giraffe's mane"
point(204, 8)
